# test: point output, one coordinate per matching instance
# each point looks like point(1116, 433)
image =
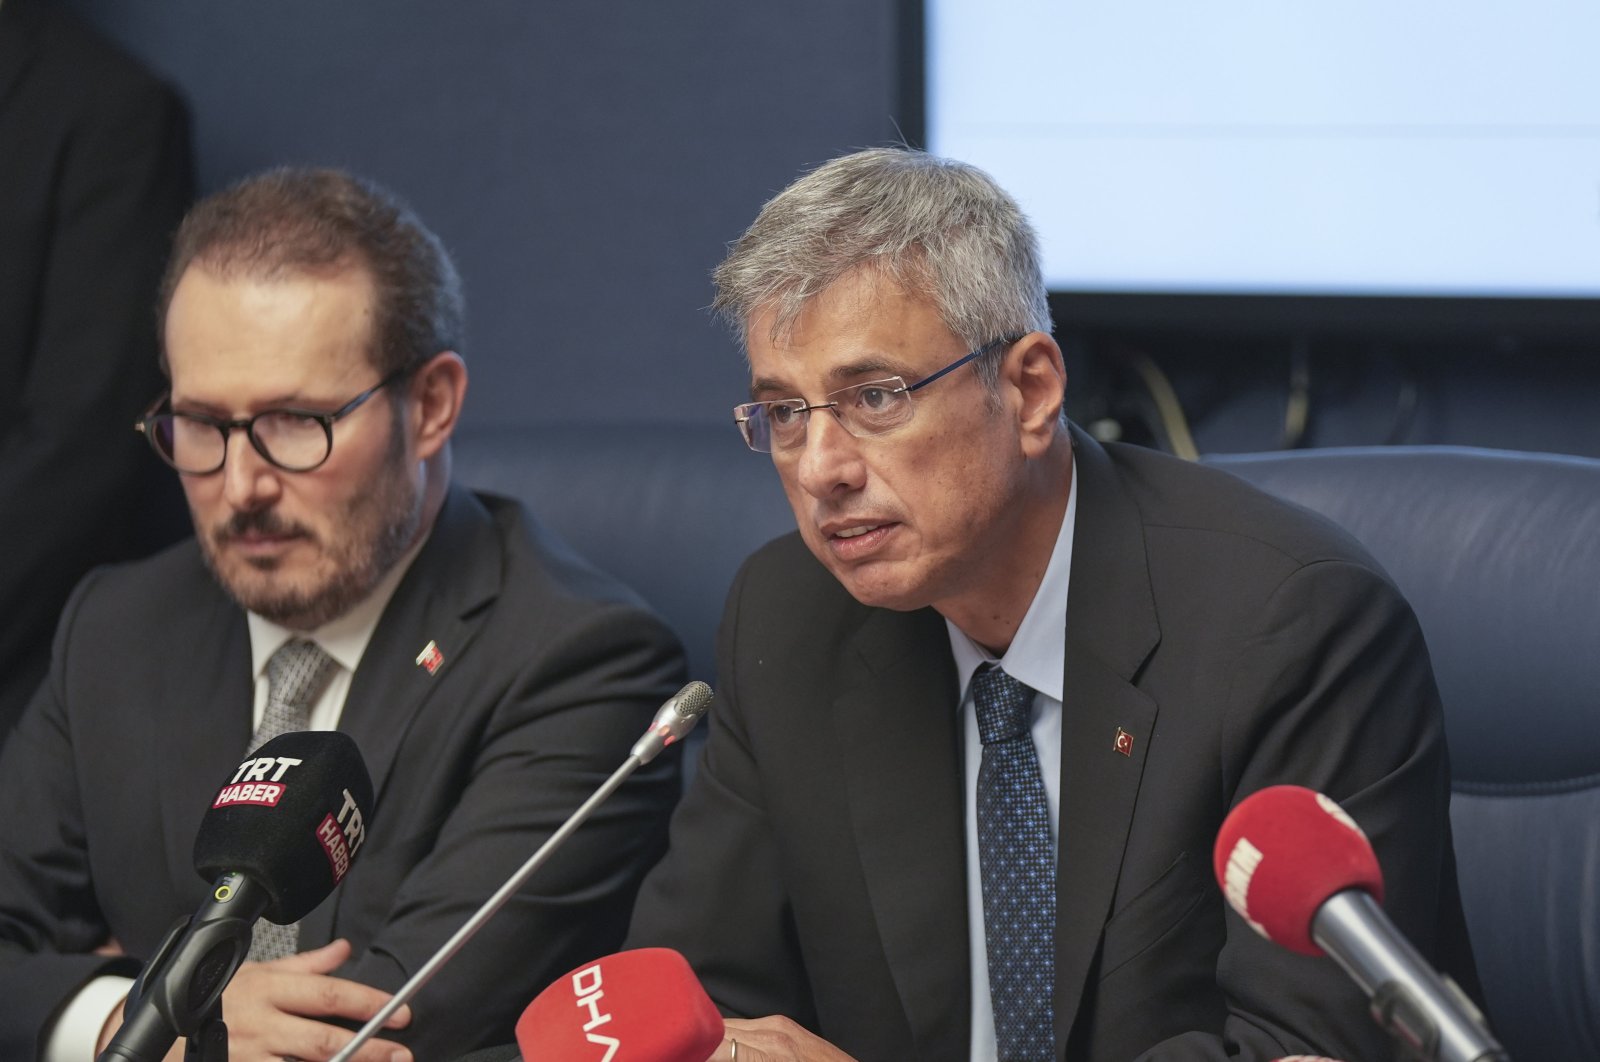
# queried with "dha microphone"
point(281, 833)
point(673, 721)
point(635, 1006)
point(1299, 870)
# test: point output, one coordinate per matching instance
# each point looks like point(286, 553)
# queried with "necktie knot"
point(1004, 705)
point(296, 672)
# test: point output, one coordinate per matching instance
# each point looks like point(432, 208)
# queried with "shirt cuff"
point(76, 1033)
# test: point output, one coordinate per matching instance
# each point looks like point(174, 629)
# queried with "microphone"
point(673, 721)
point(282, 831)
point(639, 1006)
point(1299, 870)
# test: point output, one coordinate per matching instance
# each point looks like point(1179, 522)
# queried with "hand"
point(773, 1039)
point(272, 1008)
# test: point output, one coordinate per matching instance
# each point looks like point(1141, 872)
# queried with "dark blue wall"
point(587, 163)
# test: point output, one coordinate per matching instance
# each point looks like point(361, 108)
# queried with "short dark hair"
point(296, 220)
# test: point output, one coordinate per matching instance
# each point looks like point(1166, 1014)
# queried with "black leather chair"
point(1499, 553)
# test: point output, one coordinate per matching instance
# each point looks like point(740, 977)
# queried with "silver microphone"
point(1425, 1010)
point(674, 720)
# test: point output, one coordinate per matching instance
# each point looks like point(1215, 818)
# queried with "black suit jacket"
point(551, 671)
point(94, 177)
point(817, 865)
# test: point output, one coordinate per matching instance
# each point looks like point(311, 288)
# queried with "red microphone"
point(1301, 872)
point(1282, 852)
point(644, 1005)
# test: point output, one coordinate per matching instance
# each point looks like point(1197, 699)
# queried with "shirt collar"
point(344, 638)
point(1037, 655)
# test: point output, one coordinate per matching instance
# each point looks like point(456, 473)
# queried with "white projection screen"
point(1313, 148)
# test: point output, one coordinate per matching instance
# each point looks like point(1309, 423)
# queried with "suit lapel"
point(1111, 630)
point(440, 602)
point(896, 719)
point(199, 724)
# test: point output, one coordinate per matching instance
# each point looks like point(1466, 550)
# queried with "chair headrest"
point(1499, 553)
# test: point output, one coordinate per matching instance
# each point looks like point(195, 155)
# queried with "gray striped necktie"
point(296, 675)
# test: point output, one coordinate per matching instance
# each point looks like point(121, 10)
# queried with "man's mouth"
point(258, 531)
point(858, 541)
point(855, 532)
point(252, 537)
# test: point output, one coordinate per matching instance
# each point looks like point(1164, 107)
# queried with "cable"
point(1297, 408)
point(1405, 405)
point(1168, 408)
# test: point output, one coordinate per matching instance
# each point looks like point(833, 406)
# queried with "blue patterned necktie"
point(296, 674)
point(1017, 860)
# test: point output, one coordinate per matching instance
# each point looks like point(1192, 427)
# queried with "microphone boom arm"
point(1428, 1013)
point(672, 722)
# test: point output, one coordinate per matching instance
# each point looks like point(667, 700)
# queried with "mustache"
point(260, 522)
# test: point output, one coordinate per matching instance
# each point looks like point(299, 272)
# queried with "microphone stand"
point(210, 1042)
point(162, 1004)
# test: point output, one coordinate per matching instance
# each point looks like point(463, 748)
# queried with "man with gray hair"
point(980, 719)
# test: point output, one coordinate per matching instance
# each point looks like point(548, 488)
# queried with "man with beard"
point(492, 681)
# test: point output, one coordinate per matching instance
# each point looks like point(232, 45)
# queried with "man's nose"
point(830, 458)
point(249, 480)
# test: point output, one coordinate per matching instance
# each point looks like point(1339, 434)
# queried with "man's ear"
point(437, 391)
point(1035, 369)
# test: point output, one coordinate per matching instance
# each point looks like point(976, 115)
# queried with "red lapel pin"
point(432, 659)
point(1124, 742)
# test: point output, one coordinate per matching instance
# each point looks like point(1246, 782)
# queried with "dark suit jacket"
point(817, 865)
point(94, 177)
point(551, 671)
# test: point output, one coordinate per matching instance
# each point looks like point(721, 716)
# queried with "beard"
point(365, 539)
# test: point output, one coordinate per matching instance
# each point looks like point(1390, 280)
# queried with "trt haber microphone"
point(1299, 870)
point(672, 722)
point(635, 1006)
point(282, 831)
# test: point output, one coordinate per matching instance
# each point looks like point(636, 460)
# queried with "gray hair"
point(940, 229)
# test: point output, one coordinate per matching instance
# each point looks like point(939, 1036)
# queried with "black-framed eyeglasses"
point(295, 440)
point(863, 409)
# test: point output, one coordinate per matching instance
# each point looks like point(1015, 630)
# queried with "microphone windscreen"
point(635, 1006)
point(291, 818)
point(1282, 853)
